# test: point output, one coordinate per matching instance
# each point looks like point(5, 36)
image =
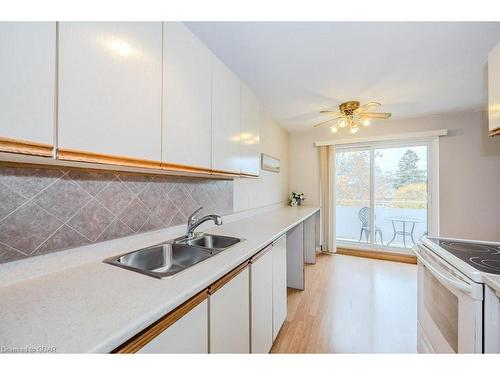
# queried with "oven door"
point(449, 308)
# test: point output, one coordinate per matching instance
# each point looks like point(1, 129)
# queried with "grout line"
point(28, 200)
point(76, 213)
point(48, 238)
point(147, 184)
point(128, 226)
point(14, 249)
point(76, 181)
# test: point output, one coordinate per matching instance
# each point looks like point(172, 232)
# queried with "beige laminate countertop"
point(94, 307)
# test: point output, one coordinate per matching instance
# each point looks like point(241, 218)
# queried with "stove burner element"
point(470, 247)
point(482, 256)
point(487, 263)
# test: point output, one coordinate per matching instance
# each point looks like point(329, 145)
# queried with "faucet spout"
point(194, 223)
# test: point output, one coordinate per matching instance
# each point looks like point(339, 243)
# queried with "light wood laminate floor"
point(352, 305)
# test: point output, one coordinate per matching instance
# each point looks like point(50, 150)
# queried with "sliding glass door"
point(382, 195)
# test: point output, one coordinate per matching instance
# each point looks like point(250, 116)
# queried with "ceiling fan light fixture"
point(353, 116)
point(342, 123)
point(365, 122)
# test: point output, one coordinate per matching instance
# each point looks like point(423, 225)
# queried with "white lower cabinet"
point(279, 284)
point(261, 301)
point(491, 320)
point(187, 335)
point(243, 313)
point(229, 316)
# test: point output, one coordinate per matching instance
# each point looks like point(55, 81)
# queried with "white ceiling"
point(413, 69)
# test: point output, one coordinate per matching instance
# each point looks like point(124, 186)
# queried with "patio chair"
point(364, 216)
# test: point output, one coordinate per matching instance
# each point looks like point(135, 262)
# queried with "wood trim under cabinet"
point(141, 339)
point(260, 253)
point(494, 132)
point(185, 168)
point(225, 173)
point(380, 255)
point(25, 147)
point(248, 175)
point(93, 157)
point(227, 278)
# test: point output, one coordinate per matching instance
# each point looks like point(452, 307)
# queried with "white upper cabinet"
point(187, 97)
point(110, 78)
point(27, 76)
point(494, 90)
point(250, 132)
point(225, 119)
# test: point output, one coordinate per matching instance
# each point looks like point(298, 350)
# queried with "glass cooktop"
point(483, 257)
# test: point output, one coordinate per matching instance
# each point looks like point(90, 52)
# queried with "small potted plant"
point(296, 199)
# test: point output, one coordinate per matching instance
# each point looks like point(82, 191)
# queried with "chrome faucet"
point(194, 223)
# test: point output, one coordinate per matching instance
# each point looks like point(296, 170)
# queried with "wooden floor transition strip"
point(381, 255)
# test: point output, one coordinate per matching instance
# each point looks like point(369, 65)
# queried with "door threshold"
point(380, 255)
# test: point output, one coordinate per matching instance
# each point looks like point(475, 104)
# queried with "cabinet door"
point(261, 293)
point(110, 88)
point(27, 89)
point(279, 285)
point(230, 316)
point(494, 90)
point(187, 97)
point(187, 335)
point(225, 119)
point(491, 321)
point(250, 133)
point(295, 257)
point(310, 240)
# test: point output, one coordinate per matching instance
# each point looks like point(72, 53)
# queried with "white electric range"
point(451, 293)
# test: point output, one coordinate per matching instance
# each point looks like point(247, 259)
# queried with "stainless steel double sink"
point(169, 258)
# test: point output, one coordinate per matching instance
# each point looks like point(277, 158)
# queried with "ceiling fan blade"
point(325, 122)
point(332, 113)
point(375, 115)
point(367, 107)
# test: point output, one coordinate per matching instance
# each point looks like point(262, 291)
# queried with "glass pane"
point(400, 183)
point(352, 176)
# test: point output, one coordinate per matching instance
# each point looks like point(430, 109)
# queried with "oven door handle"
point(441, 274)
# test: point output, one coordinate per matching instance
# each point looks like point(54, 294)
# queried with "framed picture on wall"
point(269, 163)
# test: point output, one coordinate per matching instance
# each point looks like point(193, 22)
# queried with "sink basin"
point(162, 260)
point(210, 241)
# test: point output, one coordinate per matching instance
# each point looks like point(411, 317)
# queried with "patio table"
point(404, 232)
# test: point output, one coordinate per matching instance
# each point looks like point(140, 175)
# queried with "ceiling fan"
point(352, 115)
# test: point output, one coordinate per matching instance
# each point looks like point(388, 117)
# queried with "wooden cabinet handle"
point(227, 277)
point(138, 341)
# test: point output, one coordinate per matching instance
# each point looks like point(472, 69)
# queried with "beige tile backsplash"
point(44, 210)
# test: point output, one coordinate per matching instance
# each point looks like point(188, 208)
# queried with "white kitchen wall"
point(269, 188)
point(469, 169)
